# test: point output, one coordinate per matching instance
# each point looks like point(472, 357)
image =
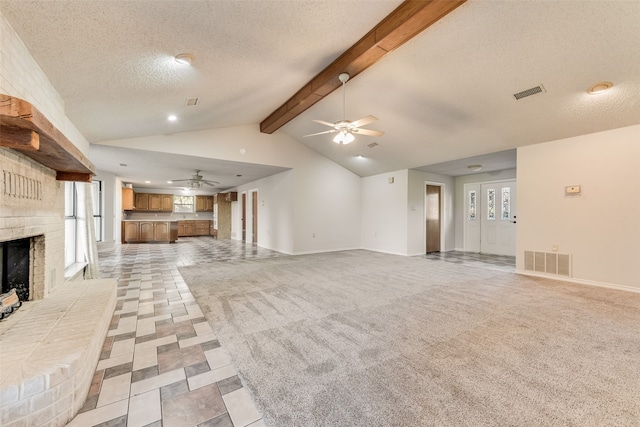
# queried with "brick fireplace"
point(32, 207)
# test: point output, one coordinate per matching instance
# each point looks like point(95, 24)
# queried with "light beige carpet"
point(365, 339)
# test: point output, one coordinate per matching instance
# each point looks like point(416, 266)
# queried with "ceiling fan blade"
point(364, 121)
point(368, 132)
point(322, 122)
point(211, 183)
point(321, 133)
point(178, 180)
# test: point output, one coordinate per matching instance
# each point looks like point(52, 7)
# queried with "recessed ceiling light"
point(599, 87)
point(172, 118)
point(147, 182)
point(124, 165)
point(185, 58)
point(169, 182)
point(360, 156)
point(475, 168)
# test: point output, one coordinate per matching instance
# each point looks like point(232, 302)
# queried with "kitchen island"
point(137, 231)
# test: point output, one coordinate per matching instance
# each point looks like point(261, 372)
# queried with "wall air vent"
point(529, 92)
point(548, 262)
point(373, 144)
point(191, 102)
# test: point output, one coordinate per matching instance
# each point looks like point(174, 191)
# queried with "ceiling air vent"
point(529, 92)
point(373, 144)
point(191, 102)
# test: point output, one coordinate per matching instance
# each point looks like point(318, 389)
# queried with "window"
point(96, 199)
point(182, 204)
point(70, 223)
point(506, 203)
point(472, 205)
point(491, 204)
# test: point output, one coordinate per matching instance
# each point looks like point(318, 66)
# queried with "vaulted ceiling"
point(446, 94)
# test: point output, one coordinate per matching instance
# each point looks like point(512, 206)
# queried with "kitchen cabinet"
point(142, 202)
point(149, 231)
point(130, 231)
point(202, 227)
point(127, 199)
point(147, 202)
point(231, 196)
point(204, 203)
point(186, 228)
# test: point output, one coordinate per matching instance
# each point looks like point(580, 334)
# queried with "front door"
point(433, 218)
point(497, 218)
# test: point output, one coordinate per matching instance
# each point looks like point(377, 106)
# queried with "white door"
point(497, 213)
point(472, 217)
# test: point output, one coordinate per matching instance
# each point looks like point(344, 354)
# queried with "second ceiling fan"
point(344, 128)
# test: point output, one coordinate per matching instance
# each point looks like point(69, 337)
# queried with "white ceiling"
point(445, 95)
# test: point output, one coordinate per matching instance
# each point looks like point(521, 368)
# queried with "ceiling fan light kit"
point(197, 181)
point(346, 128)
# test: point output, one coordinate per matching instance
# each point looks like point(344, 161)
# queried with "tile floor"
point(493, 262)
point(161, 365)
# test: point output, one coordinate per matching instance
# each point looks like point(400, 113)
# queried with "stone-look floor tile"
point(203, 328)
point(89, 404)
point(180, 358)
point(101, 414)
point(116, 422)
point(160, 342)
point(157, 381)
point(123, 347)
point(143, 374)
point(197, 369)
point(144, 409)
point(219, 421)
point(241, 408)
point(118, 370)
point(115, 361)
point(146, 338)
point(96, 383)
point(175, 389)
point(144, 358)
point(212, 376)
point(114, 389)
point(259, 423)
point(217, 357)
point(193, 408)
point(228, 385)
point(196, 340)
point(210, 345)
point(125, 336)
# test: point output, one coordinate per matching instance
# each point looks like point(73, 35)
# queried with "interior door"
point(433, 218)
point(254, 207)
point(498, 218)
point(243, 219)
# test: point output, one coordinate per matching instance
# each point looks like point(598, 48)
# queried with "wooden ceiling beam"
point(406, 21)
point(25, 129)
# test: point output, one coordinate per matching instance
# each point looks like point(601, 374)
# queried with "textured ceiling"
point(445, 95)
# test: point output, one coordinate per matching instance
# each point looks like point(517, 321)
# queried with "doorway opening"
point(433, 215)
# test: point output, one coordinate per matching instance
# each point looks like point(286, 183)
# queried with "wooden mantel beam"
point(25, 129)
point(405, 22)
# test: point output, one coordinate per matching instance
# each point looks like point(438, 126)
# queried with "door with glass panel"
point(497, 214)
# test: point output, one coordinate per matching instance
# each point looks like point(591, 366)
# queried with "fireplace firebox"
point(15, 271)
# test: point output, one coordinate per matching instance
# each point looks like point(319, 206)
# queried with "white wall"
point(458, 207)
point(384, 212)
point(276, 196)
point(600, 229)
point(22, 77)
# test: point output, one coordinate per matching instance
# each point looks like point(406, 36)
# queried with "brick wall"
point(32, 204)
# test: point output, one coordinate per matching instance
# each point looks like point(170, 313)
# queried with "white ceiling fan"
point(197, 180)
point(345, 128)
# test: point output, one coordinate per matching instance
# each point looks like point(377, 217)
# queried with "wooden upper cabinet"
point(204, 203)
point(155, 202)
point(167, 203)
point(142, 202)
point(127, 199)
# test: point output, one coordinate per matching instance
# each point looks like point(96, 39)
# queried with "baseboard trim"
point(580, 281)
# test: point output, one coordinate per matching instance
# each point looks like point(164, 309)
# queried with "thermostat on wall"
point(572, 191)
